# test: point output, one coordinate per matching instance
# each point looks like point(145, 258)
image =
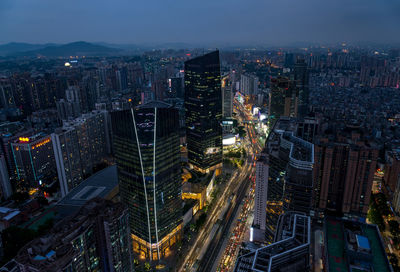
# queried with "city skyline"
point(228, 22)
point(200, 137)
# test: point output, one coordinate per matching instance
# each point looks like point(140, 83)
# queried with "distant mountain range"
point(56, 50)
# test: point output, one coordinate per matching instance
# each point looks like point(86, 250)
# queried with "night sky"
point(236, 22)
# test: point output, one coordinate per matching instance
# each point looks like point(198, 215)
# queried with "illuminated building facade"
point(34, 160)
point(146, 145)
point(203, 107)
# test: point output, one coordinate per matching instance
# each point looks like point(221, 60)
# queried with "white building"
point(249, 84)
point(260, 204)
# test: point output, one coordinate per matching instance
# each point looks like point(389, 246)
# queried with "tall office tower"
point(290, 251)
point(203, 107)
point(299, 176)
point(283, 100)
point(249, 84)
point(344, 170)
point(260, 204)
point(285, 188)
point(34, 160)
point(146, 146)
point(5, 185)
point(79, 146)
point(301, 78)
point(97, 238)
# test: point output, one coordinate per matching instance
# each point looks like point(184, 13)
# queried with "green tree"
point(14, 238)
point(45, 227)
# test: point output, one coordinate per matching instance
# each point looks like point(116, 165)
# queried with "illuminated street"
point(240, 226)
point(205, 250)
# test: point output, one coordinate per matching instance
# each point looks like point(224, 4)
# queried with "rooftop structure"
point(353, 246)
point(289, 252)
point(97, 238)
point(103, 184)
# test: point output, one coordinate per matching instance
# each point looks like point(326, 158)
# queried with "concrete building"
point(34, 160)
point(5, 185)
point(249, 84)
point(79, 146)
point(70, 107)
point(392, 171)
point(97, 238)
point(260, 204)
point(290, 251)
point(345, 164)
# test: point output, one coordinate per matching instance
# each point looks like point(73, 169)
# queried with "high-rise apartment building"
point(70, 107)
point(146, 145)
point(260, 204)
point(34, 160)
point(97, 238)
point(203, 107)
point(344, 169)
point(79, 146)
point(249, 84)
point(392, 171)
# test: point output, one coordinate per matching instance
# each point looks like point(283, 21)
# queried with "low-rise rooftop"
point(354, 246)
point(103, 184)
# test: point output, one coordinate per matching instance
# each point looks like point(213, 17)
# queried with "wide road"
point(203, 258)
point(213, 249)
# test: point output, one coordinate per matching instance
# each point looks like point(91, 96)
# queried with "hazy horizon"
point(235, 22)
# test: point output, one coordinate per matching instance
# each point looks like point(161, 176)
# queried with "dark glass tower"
point(146, 142)
point(203, 107)
point(283, 100)
point(301, 77)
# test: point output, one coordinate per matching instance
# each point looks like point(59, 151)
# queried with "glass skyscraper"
point(146, 145)
point(203, 108)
